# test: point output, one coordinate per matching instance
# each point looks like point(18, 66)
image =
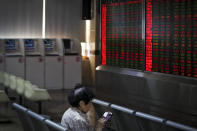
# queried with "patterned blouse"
point(74, 120)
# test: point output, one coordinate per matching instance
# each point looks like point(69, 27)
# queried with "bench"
point(128, 119)
point(24, 89)
point(32, 121)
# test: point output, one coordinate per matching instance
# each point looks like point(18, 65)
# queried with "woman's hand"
point(100, 124)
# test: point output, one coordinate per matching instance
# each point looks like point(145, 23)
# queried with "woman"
point(75, 118)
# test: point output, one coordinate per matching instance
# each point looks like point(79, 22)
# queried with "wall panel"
point(64, 19)
point(20, 18)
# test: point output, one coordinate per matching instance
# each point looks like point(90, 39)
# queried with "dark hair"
point(79, 93)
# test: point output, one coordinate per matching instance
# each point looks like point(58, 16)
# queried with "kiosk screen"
point(10, 45)
point(49, 44)
point(29, 45)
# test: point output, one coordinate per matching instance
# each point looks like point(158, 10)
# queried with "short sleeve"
point(66, 123)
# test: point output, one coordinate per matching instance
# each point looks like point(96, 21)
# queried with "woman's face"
point(85, 108)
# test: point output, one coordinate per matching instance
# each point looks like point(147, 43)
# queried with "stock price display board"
point(122, 33)
point(171, 37)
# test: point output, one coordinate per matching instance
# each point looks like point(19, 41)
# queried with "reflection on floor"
point(54, 109)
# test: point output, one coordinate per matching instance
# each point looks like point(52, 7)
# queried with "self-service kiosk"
point(14, 57)
point(34, 52)
point(53, 63)
point(72, 65)
point(2, 55)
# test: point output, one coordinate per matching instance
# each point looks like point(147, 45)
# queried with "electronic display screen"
point(122, 33)
point(29, 44)
point(49, 44)
point(171, 36)
point(10, 45)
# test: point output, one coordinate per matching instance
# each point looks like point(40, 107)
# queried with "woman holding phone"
point(75, 118)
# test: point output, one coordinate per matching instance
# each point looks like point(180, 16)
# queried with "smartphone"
point(107, 115)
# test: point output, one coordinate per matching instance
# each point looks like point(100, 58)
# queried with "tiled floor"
point(54, 109)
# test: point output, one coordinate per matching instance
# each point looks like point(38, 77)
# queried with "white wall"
point(64, 20)
point(23, 19)
point(20, 18)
